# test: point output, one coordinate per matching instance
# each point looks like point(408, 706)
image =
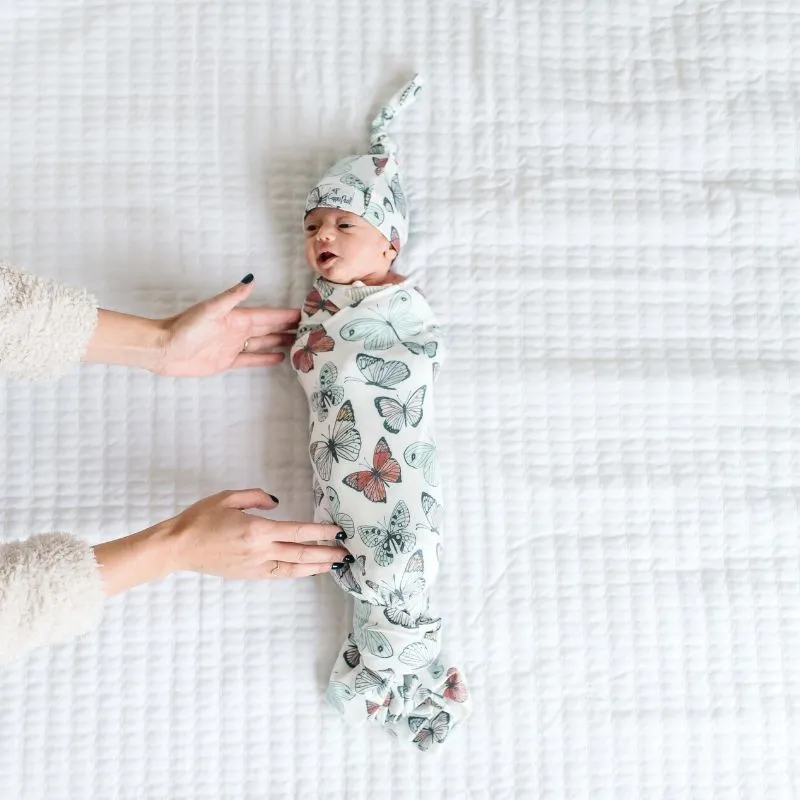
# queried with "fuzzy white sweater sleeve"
point(50, 585)
point(50, 590)
point(45, 328)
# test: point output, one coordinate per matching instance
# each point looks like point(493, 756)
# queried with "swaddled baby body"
point(367, 355)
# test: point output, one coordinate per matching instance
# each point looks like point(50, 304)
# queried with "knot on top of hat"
point(379, 139)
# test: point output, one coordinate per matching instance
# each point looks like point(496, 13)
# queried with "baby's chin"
point(342, 272)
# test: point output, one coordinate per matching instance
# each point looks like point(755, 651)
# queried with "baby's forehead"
point(323, 213)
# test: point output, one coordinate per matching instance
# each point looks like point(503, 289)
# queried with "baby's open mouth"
point(326, 257)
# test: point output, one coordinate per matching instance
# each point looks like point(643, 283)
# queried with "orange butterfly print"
point(318, 342)
point(373, 482)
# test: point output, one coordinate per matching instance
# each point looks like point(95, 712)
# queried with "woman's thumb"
point(228, 300)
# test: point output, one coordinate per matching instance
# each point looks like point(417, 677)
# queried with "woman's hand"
point(209, 337)
point(217, 537)
point(205, 339)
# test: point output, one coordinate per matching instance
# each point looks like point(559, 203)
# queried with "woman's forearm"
point(125, 340)
point(136, 559)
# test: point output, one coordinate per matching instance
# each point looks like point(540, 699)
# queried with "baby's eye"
point(345, 225)
point(311, 228)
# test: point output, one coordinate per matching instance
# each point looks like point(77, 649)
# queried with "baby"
point(367, 355)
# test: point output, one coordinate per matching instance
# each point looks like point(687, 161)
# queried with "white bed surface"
point(605, 214)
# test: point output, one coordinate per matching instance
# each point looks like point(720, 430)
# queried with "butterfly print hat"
point(369, 185)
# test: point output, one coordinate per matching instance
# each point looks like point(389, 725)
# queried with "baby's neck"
point(371, 280)
point(390, 277)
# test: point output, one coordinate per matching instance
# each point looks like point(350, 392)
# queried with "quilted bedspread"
point(606, 220)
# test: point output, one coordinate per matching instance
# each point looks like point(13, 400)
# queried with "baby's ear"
point(390, 253)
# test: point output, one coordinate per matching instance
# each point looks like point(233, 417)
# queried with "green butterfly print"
point(429, 348)
point(343, 443)
point(429, 731)
point(434, 513)
point(374, 214)
point(329, 394)
point(397, 416)
point(374, 683)
point(377, 372)
point(436, 670)
point(380, 334)
point(344, 521)
point(399, 196)
point(422, 455)
point(338, 694)
point(318, 493)
point(368, 638)
point(391, 539)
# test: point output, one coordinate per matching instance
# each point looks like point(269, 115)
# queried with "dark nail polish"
point(337, 565)
point(274, 499)
point(248, 278)
point(348, 559)
point(341, 536)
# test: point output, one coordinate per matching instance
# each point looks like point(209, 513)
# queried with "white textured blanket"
point(606, 218)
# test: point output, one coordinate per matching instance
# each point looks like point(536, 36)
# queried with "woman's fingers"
point(262, 321)
point(306, 553)
point(284, 569)
point(258, 344)
point(279, 531)
point(250, 498)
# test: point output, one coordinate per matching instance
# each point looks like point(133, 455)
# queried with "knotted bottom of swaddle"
point(392, 675)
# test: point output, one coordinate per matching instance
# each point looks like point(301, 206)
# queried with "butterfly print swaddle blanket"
point(367, 358)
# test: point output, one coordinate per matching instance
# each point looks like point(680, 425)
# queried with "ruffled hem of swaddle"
point(420, 709)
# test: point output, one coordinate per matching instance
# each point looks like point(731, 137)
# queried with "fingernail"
point(348, 559)
point(341, 536)
point(337, 565)
point(274, 499)
point(248, 278)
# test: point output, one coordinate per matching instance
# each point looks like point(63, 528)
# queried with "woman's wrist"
point(133, 560)
point(126, 340)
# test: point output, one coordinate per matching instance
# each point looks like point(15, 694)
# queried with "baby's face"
point(342, 247)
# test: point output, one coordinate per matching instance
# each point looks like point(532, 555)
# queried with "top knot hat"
point(369, 185)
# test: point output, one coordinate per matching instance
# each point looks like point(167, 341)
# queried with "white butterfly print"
point(367, 638)
point(344, 521)
point(405, 599)
point(343, 443)
point(396, 415)
point(434, 513)
point(377, 372)
point(329, 394)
